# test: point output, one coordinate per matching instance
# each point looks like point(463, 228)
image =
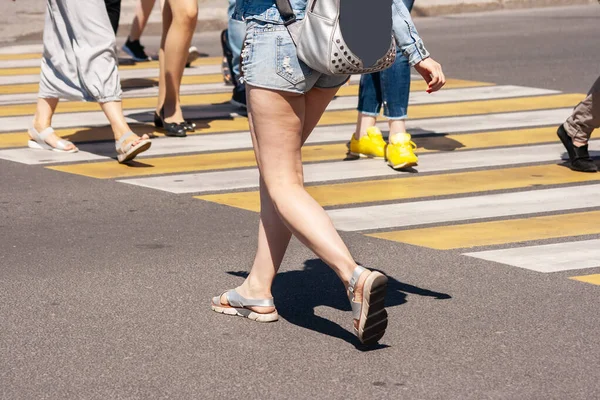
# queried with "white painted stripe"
point(344, 170)
point(547, 258)
point(511, 120)
point(160, 147)
point(125, 74)
point(28, 63)
point(465, 208)
point(203, 88)
point(322, 134)
point(22, 49)
point(34, 156)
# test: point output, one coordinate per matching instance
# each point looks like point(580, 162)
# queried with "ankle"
point(255, 288)
point(40, 125)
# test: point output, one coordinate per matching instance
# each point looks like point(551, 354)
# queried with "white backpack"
point(343, 37)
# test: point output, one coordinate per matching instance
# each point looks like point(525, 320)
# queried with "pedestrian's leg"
point(585, 117)
point(113, 7)
point(576, 131)
point(114, 113)
point(395, 88)
point(142, 14)
point(369, 103)
point(180, 19)
point(278, 133)
point(43, 120)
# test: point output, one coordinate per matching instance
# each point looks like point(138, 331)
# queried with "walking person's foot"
point(135, 49)
point(129, 145)
point(44, 138)
point(193, 55)
point(371, 145)
point(579, 156)
point(400, 153)
point(366, 292)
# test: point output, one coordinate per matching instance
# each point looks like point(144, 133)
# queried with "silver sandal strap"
point(355, 276)
point(45, 133)
point(122, 140)
point(237, 300)
point(356, 306)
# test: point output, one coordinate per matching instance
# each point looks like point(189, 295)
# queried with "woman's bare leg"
point(278, 133)
point(179, 22)
point(114, 112)
point(43, 119)
point(142, 14)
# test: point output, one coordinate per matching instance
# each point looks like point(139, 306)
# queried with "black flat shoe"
point(173, 129)
point(578, 156)
point(190, 126)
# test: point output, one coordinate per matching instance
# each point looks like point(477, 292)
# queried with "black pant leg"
point(113, 7)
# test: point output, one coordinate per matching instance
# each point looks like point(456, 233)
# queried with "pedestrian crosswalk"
point(490, 183)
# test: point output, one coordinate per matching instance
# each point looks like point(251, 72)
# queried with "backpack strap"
point(286, 11)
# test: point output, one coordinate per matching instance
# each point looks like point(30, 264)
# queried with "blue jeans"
point(389, 88)
point(236, 30)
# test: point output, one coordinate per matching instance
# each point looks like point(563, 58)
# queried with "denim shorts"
point(269, 60)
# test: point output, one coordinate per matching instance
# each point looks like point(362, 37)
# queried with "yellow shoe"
point(371, 146)
point(400, 152)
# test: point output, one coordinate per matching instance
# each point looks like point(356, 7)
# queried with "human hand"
point(432, 72)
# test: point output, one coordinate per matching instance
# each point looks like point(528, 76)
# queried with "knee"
point(187, 15)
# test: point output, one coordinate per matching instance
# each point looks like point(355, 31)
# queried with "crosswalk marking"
point(547, 258)
point(451, 95)
point(594, 279)
point(149, 73)
point(178, 163)
point(498, 232)
point(96, 129)
point(368, 218)
point(491, 151)
point(229, 180)
point(25, 67)
point(24, 56)
point(395, 189)
point(554, 101)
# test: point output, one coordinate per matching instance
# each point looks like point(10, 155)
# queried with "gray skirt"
point(79, 61)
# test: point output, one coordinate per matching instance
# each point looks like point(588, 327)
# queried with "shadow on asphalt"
point(298, 293)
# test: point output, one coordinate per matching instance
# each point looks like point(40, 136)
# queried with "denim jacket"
point(407, 38)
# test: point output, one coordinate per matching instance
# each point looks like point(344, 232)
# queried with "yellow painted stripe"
point(426, 144)
point(417, 187)
point(498, 232)
point(328, 152)
point(593, 279)
point(216, 98)
point(186, 163)
point(24, 56)
point(122, 67)
point(125, 83)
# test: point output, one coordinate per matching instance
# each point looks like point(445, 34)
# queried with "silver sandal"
point(129, 151)
point(238, 305)
point(370, 313)
point(38, 141)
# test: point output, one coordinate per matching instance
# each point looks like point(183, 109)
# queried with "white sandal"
point(370, 313)
point(238, 305)
point(129, 151)
point(38, 141)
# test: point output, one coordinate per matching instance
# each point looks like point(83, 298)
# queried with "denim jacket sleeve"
point(407, 37)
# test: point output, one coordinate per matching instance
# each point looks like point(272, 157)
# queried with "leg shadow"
point(298, 293)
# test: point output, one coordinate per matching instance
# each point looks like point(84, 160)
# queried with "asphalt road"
point(105, 287)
